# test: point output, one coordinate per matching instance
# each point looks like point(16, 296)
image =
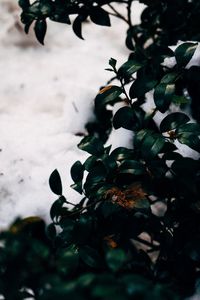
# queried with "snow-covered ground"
point(46, 97)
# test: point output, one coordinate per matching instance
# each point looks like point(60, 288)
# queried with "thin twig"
point(129, 12)
point(124, 90)
point(146, 243)
point(118, 15)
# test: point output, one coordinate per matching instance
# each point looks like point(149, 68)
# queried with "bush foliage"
point(114, 243)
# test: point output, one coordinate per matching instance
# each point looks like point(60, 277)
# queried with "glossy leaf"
point(152, 145)
point(40, 29)
point(191, 140)
point(56, 208)
point(61, 19)
point(108, 161)
point(55, 183)
point(27, 27)
point(189, 128)
point(99, 16)
point(107, 95)
point(112, 62)
point(173, 121)
point(77, 187)
point(91, 145)
point(122, 153)
point(184, 53)
point(24, 3)
point(132, 167)
point(129, 68)
point(77, 171)
point(77, 27)
point(170, 78)
point(124, 118)
point(149, 143)
point(163, 96)
point(144, 83)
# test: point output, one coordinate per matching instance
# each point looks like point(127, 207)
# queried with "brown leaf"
point(106, 88)
point(129, 198)
point(110, 241)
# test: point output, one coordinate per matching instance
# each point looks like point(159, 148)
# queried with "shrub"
point(115, 243)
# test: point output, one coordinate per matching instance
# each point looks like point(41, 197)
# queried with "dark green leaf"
point(90, 257)
point(141, 135)
point(122, 153)
point(178, 100)
point(91, 145)
point(107, 149)
point(152, 145)
point(132, 167)
point(124, 118)
point(108, 95)
point(96, 178)
point(24, 3)
point(112, 62)
point(168, 147)
point(85, 280)
point(27, 27)
point(108, 162)
point(61, 18)
point(109, 69)
point(191, 140)
point(163, 95)
point(77, 27)
point(56, 208)
point(184, 53)
point(108, 208)
point(51, 231)
point(186, 166)
point(190, 128)
point(170, 78)
point(145, 82)
point(142, 204)
point(55, 183)
point(77, 171)
point(68, 260)
point(89, 163)
point(173, 121)
point(40, 29)
point(149, 142)
point(129, 68)
point(171, 156)
point(192, 249)
point(82, 229)
point(106, 291)
point(115, 259)
point(157, 166)
point(77, 187)
point(99, 16)
point(136, 285)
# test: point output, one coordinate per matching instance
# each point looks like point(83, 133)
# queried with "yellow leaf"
point(106, 88)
